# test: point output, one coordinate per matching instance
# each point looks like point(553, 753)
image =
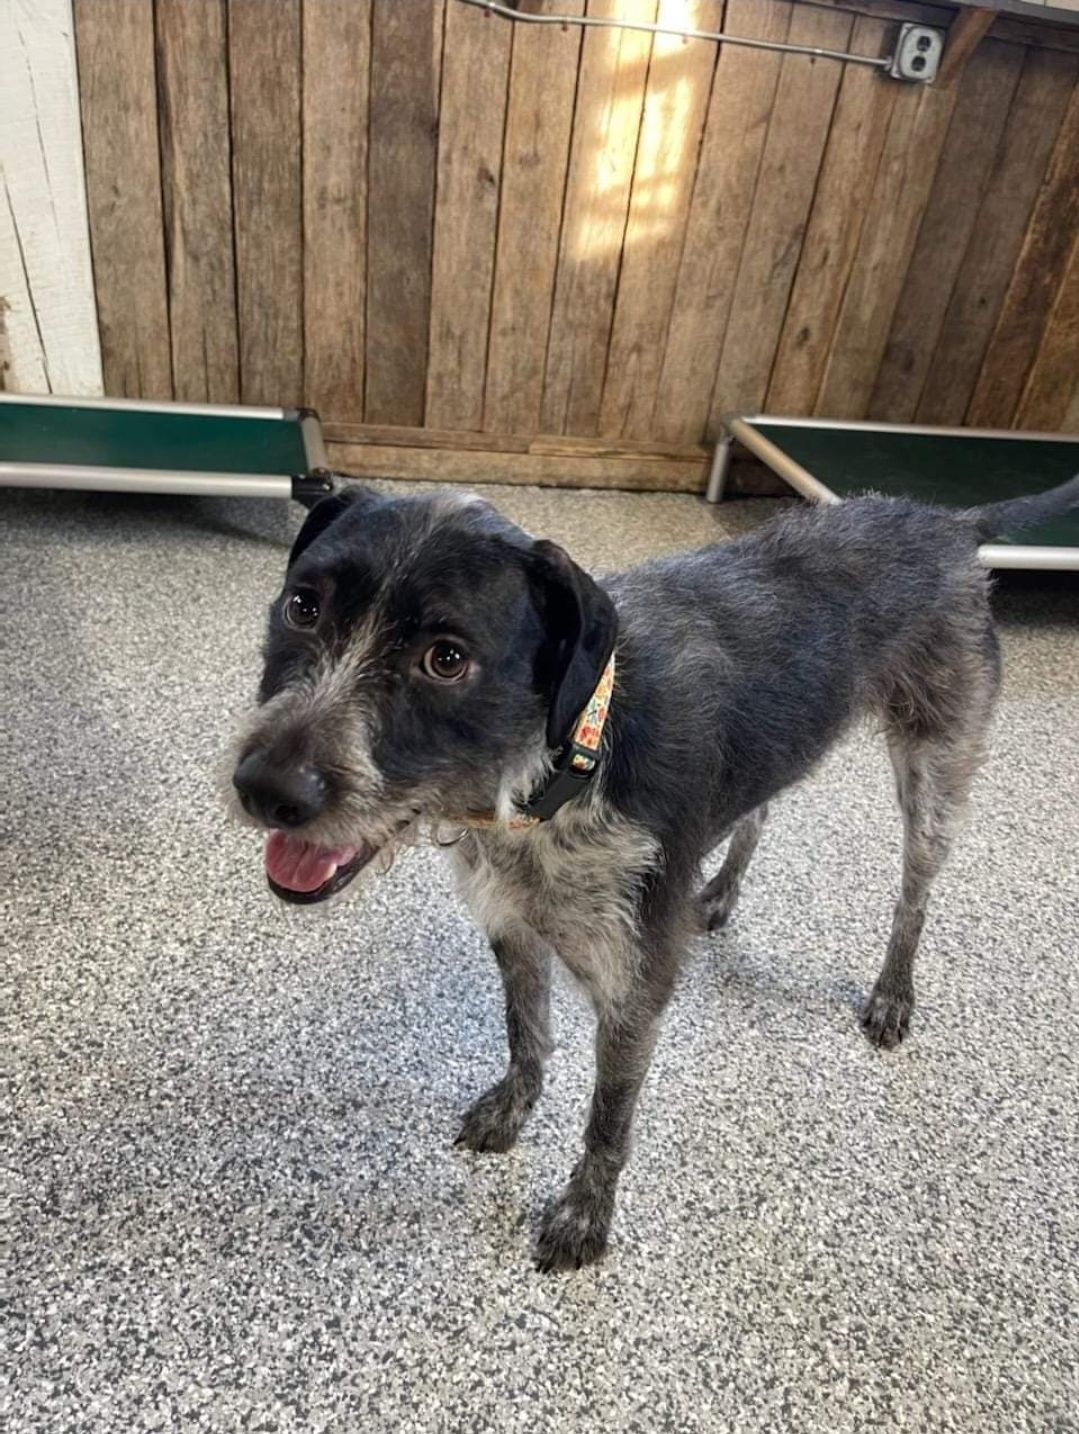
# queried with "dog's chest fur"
point(576, 882)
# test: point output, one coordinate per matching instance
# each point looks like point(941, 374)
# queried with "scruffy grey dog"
point(427, 659)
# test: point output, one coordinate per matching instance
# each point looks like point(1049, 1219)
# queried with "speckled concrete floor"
point(235, 1204)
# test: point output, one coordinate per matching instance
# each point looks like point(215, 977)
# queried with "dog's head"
point(422, 654)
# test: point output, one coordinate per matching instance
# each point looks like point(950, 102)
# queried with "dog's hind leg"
point(933, 778)
point(495, 1120)
point(718, 899)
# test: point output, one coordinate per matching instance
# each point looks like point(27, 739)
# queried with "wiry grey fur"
point(738, 666)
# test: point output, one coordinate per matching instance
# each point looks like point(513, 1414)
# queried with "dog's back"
point(777, 641)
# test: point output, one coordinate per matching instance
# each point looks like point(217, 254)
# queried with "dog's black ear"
point(581, 628)
point(323, 514)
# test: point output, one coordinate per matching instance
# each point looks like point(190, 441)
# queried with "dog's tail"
point(993, 519)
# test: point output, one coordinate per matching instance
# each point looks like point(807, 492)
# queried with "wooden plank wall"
point(556, 245)
point(48, 318)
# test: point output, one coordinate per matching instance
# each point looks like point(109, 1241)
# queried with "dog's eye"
point(302, 608)
point(445, 660)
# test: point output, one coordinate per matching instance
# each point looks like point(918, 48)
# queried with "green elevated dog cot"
point(827, 460)
point(129, 445)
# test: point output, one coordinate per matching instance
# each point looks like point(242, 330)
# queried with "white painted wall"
point(48, 327)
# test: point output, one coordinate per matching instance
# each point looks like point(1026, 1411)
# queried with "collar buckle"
point(566, 782)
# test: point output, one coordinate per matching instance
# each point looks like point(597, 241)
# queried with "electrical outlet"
point(917, 53)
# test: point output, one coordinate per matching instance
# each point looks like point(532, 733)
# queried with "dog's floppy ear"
point(323, 514)
point(581, 628)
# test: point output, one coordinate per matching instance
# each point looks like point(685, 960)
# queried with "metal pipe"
point(313, 444)
point(145, 405)
point(598, 22)
point(1016, 555)
point(720, 469)
point(860, 425)
point(773, 457)
point(144, 480)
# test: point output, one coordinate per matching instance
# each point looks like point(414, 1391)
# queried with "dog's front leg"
point(495, 1120)
point(574, 1230)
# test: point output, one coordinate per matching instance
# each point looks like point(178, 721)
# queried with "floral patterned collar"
point(573, 770)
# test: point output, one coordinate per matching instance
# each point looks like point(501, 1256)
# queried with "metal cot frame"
point(315, 483)
point(739, 428)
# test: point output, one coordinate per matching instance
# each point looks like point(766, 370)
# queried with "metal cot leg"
point(721, 464)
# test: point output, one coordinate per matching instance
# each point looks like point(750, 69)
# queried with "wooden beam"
point(859, 127)
point(547, 469)
point(965, 34)
point(902, 10)
point(406, 62)
point(539, 117)
point(118, 90)
point(193, 107)
point(735, 131)
point(336, 70)
point(549, 444)
point(472, 115)
point(675, 110)
point(1051, 398)
point(786, 184)
point(402, 436)
point(1035, 281)
point(970, 149)
point(1041, 98)
point(1043, 34)
point(264, 62)
point(606, 122)
point(893, 213)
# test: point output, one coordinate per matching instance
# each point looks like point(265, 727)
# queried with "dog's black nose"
point(280, 796)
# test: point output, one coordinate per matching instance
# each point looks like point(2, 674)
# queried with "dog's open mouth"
point(303, 872)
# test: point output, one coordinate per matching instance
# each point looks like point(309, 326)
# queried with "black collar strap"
point(573, 768)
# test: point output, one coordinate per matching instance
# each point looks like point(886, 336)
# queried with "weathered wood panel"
point(790, 164)
point(543, 77)
point(1071, 417)
point(406, 60)
point(1041, 98)
point(1034, 284)
point(117, 83)
point(543, 444)
point(417, 215)
point(675, 108)
point(859, 127)
point(560, 470)
point(336, 70)
point(1051, 398)
point(606, 127)
point(916, 131)
point(743, 93)
point(193, 102)
point(965, 34)
point(264, 67)
point(48, 317)
point(1034, 32)
point(22, 352)
point(985, 95)
point(475, 76)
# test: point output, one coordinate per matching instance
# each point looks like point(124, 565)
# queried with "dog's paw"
point(886, 1019)
point(494, 1122)
point(572, 1233)
point(714, 913)
point(720, 913)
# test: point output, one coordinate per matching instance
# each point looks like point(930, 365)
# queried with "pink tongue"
point(301, 865)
